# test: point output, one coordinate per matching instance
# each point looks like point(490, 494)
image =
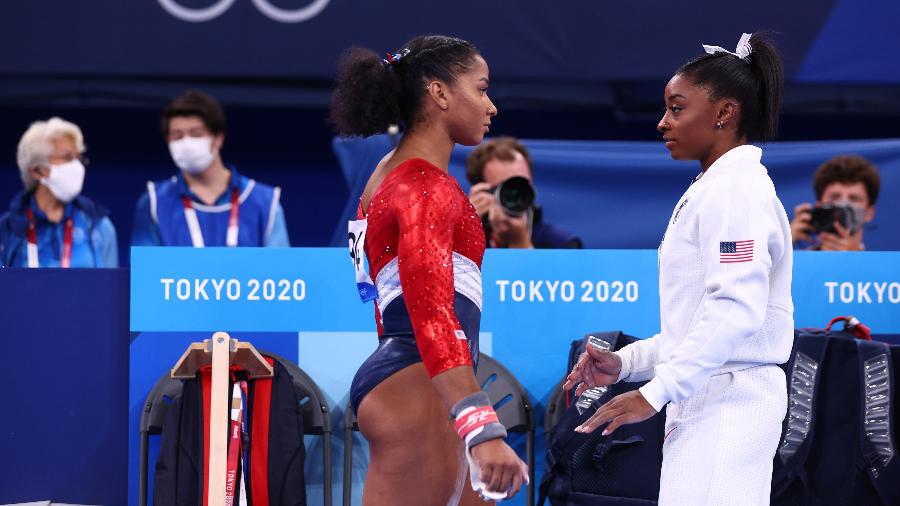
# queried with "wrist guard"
point(475, 420)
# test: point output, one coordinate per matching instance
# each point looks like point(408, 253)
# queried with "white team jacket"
point(724, 283)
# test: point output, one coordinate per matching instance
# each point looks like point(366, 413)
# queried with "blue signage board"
point(313, 289)
point(303, 304)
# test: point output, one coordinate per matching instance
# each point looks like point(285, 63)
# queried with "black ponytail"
point(371, 94)
point(766, 63)
point(756, 84)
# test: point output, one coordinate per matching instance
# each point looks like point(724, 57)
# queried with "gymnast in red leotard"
point(416, 397)
point(429, 284)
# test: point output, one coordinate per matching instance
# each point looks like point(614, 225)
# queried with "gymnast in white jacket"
point(725, 292)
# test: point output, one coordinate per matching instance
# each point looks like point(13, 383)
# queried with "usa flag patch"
point(732, 252)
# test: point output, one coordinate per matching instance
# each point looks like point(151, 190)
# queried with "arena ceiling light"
point(273, 12)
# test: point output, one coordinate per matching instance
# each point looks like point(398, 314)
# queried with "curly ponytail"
point(366, 99)
point(371, 94)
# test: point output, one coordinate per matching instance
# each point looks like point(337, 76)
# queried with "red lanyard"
point(235, 450)
point(65, 257)
point(190, 216)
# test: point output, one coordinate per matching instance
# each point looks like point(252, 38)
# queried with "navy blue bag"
point(838, 444)
point(591, 469)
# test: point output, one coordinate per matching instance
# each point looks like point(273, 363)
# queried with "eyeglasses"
point(68, 158)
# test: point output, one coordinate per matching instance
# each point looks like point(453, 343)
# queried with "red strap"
point(473, 418)
point(835, 320)
point(854, 326)
point(233, 215)
point(231, 234)
point(32, 227)
point(862, 332)
point(234, 453)
point(259, 440)
point(65, 257)
point(65, 260)
point(258, 482)
point(206, 389)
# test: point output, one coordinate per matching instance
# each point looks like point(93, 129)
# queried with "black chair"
point(316, 417)
point(350, 425)
point(556, 406)
point(512, 406)
point(510, 402)
point(156, 407)
point(313, 406)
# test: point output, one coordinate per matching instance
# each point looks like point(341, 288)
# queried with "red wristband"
point(473, 418)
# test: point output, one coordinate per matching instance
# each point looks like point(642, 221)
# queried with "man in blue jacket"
point(206, 203)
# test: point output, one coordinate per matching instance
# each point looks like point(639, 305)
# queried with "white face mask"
point(65, 180)
point(192, 154)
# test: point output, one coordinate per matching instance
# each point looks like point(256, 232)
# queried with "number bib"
point(357, 237)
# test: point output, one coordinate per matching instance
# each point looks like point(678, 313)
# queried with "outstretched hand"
point(630, 407)
point(595, 368)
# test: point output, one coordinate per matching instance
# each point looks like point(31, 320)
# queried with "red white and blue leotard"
point(425, 244)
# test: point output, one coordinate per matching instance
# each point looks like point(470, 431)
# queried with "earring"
point(719, 125)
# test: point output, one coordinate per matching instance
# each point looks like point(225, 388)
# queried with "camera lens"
point(515, 195)
point(825, 215)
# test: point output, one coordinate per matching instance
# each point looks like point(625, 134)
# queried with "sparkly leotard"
point(425, 245)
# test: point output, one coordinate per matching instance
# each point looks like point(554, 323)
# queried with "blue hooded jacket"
point(94, 241)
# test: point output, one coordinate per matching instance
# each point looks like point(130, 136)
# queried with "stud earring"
point(719, 125)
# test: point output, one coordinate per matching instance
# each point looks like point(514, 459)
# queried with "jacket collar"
point(234, 183)
point(25, 199)
point(743, 153)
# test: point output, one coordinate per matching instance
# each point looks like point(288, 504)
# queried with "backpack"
point(275, 452)
point(592, 469)
point(838, 443)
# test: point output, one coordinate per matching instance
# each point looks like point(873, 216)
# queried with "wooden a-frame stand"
point(221, 351)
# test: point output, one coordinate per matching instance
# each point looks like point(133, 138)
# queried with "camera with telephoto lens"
point(825, 215)
point(515, 195)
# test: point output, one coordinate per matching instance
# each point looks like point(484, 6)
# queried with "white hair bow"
point(742, 50)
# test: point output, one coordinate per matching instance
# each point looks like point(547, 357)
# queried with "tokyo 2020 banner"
point(302, 304)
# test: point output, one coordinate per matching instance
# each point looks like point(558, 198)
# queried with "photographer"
point(846, 189)
point(503, 194)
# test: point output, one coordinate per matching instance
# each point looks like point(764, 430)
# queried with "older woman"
point(50, 224)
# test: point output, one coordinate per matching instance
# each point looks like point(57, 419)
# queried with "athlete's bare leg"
point(414, 449)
